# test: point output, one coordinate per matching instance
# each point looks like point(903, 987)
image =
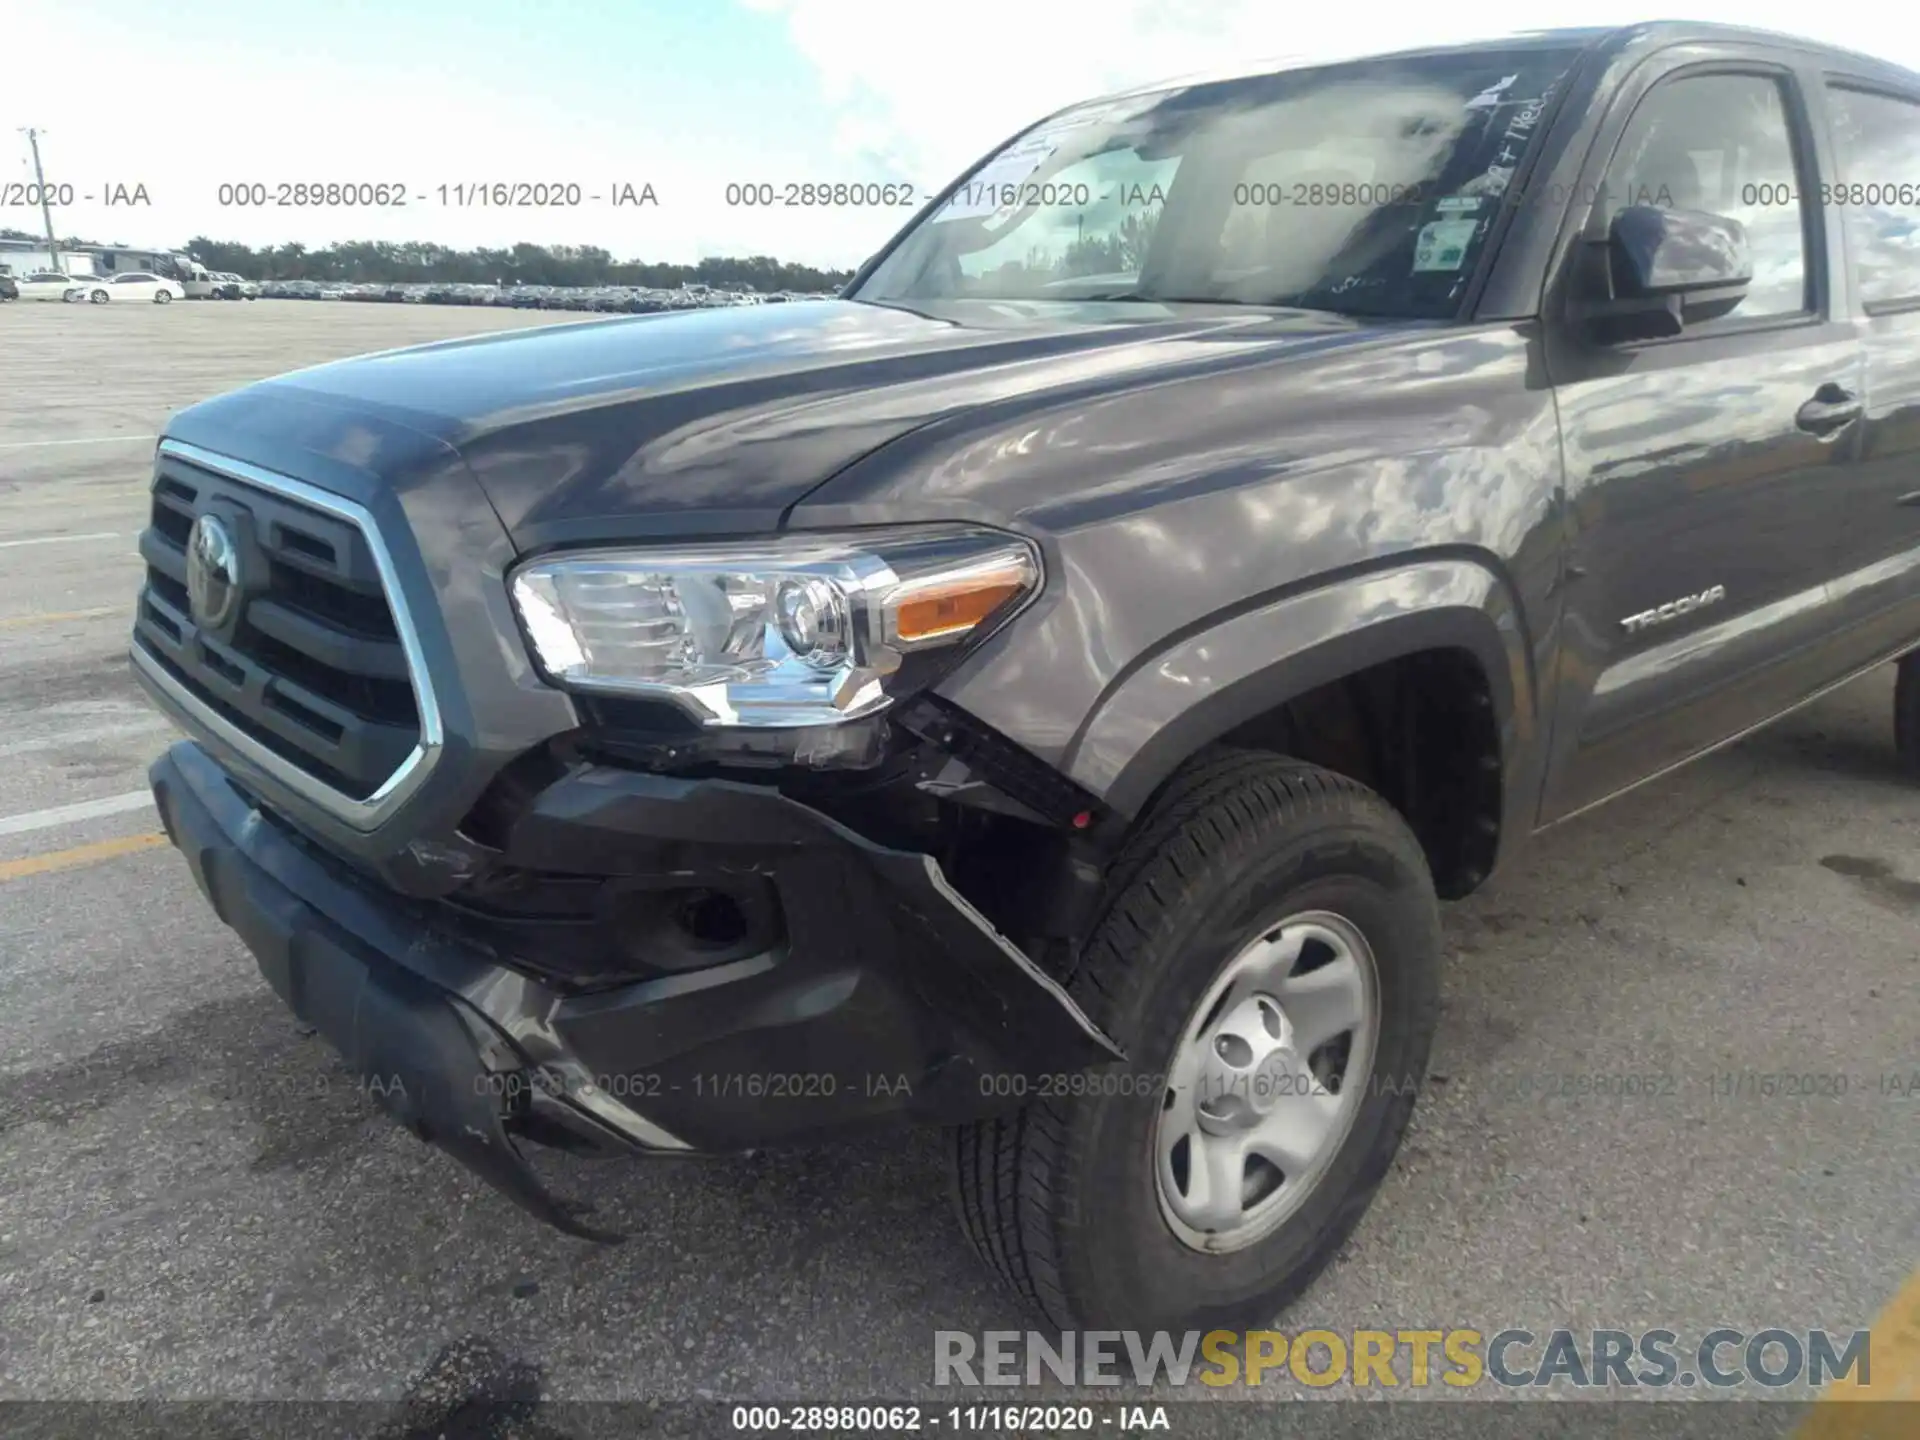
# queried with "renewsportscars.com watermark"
point(1720, 1358)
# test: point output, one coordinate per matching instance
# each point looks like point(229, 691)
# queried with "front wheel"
point(1269, 960)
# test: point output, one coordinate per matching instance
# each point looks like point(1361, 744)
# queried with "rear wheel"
point(1906, 712)
point(1269, 960)
point(162, 297)
point(98, 297)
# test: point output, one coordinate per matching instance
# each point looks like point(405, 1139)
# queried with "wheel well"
point(1419, 730)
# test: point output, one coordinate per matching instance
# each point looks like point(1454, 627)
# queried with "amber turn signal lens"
point(951, 610)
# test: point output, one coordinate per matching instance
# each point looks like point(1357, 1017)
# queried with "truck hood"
point(722, 420)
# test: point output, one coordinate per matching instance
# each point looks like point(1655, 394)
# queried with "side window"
point(1879, 192)
point(1722, 143)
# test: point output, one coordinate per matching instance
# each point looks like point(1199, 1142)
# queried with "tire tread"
point(1009, 1173)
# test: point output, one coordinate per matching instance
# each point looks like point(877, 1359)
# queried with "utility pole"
point(46, 214)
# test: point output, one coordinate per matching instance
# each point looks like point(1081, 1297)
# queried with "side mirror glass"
point(1677, 252)
point(1660, 270)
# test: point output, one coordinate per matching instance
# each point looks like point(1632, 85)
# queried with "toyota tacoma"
point(1045, 691)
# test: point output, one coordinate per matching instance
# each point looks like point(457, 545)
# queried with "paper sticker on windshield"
point(997, 185)
point(1489, 98)
point(1110, 112)
point(1443, 244)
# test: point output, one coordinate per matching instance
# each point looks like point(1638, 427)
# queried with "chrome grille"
point(315, 675)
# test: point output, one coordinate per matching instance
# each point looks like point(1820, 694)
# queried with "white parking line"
point(72, 814)
point(59, 617)
point(89, 440)
point(123, 730)
point(67, 539)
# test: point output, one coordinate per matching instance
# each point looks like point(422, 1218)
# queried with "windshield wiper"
point(1316, 301)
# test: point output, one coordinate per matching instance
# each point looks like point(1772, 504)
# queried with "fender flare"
point(1208, 679)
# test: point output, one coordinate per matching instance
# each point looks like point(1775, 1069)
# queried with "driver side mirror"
point(1658, 271)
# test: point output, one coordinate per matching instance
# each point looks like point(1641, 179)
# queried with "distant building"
point(24, 257)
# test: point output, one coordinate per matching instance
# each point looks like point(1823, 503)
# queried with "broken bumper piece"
point(885, 997)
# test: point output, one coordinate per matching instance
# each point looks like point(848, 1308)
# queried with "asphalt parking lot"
point(195, 1205)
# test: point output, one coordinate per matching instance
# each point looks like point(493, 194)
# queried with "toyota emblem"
point(213, 572)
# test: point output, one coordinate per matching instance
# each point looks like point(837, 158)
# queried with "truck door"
point(1876, 571)
point(1701, 469)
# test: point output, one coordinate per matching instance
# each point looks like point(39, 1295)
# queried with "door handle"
point(1829, 410)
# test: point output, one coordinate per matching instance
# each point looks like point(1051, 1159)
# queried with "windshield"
point(1366, 188)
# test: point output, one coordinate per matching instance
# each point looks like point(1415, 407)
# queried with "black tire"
point(1060, 1197)
point(1906, 712)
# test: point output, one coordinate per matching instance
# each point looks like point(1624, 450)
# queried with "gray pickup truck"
point(1045, 691)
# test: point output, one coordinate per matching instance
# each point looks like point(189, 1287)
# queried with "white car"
point(134, 285)
point(47, 285)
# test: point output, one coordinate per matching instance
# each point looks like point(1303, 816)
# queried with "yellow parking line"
point(1846, 1410)
point(17, 622)
point(78, 855)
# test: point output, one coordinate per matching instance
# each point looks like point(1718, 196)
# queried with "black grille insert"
point(312, 668)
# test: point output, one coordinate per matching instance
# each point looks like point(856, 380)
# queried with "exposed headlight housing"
point(791, 631)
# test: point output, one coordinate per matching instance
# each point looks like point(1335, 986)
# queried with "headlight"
point(794, 630)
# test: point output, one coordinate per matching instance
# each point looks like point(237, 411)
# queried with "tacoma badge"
point(1674, 609)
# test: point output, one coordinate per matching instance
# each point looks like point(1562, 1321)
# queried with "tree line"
point(403, 262)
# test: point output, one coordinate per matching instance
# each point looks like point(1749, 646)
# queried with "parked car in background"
point(134, 285)
point(606, 299)
point(86, 290)
point(228, 286)
point(45, 285)
point(9, 290)
point(200, 283)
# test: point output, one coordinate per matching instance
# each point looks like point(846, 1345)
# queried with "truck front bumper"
point(886, 997)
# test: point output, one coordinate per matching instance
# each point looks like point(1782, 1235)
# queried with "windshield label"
point(1081, 116)
point(1443, 244)
point(986, 193)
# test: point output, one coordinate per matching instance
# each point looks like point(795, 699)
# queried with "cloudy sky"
point(686, 95)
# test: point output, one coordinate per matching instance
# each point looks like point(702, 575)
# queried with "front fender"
point(1208, 680)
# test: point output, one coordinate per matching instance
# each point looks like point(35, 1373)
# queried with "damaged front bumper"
point(880, 995)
